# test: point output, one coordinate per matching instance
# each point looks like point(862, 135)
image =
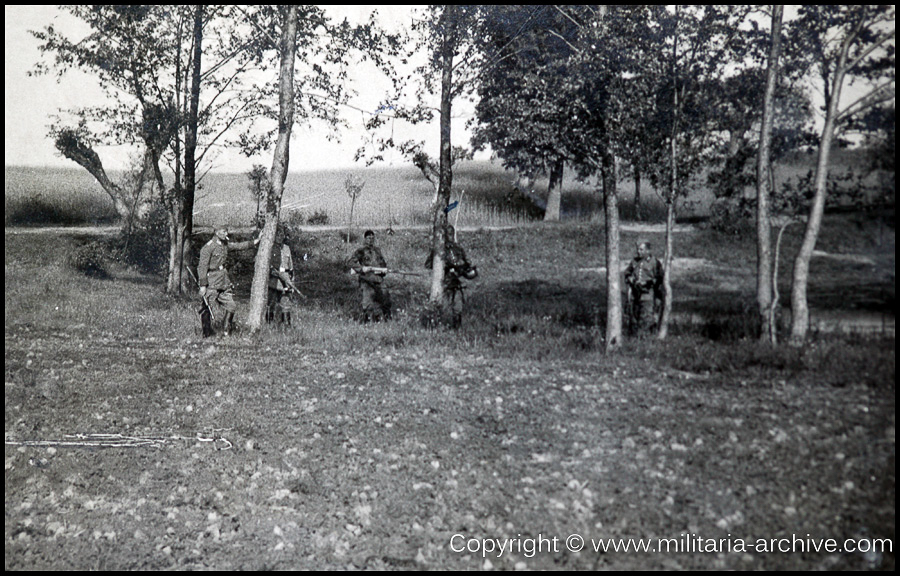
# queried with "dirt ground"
point(126, 452)
point(381, 460)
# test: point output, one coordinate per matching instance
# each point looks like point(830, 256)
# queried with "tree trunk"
point(187, 191)
point(637, 195)
point(280, 162)
point(186, 230)
point(663, 329)
point(800, 281)
point(554, 192)
point(764, 297)
point(438, 298)
point(85, 156)
point(666, 314)
point(613, 268)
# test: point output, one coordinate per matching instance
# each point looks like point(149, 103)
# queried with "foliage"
point(43, 210)
point(353, 187)
point(318, 218)
point(731, 216)
point(259, 186)
point(524, 112)
point(146, 245)
point(92, 259)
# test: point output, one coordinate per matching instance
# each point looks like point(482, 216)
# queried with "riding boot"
point(206, 322)
point(228, 324)
point(286, 318)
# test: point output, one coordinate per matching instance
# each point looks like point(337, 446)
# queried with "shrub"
point(92, 259)
point(146, 247)
point(293, 219)
point(731, 216)
point(318, 218)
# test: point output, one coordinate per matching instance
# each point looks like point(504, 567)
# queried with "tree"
point(521, 113)
point(449, 36)
point(288, 19)
point(844, 42)
point(353, 187)
point(259, 187)
point(705, 42)
point(764, 293)
point(124, 52)
point(299, 35)
point(151, 62)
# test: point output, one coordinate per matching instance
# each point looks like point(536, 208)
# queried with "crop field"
point(393, 196)
point(132, 443)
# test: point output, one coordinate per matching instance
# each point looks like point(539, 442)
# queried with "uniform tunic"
point(644, 278)
point(211, 271)
point(278, 302)
point(374, 299)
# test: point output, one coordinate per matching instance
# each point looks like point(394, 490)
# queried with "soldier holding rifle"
point(281, 280)
point(369, 264)
point(456, 267)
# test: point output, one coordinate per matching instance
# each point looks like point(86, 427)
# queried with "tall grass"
point(395, 196)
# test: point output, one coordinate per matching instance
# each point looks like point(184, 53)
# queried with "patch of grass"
point(540, 293)
point(829, 361)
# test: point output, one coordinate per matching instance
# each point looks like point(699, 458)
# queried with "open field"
point(397, 196)
point(334, 445)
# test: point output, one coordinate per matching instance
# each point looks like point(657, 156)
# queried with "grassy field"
point(133, 443)
point(397, 196)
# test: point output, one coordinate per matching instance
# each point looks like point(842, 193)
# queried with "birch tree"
point(764, 277)
point(301, 37)
point(846, 43)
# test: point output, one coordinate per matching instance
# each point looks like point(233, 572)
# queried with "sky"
point(31, 102)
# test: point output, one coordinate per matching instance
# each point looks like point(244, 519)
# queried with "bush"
point(293, 219)
point(318, 218)
point(92, 259)
point(146, 247)
point(41, 212)
point(731, 216)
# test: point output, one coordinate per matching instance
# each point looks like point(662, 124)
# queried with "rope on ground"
point(121, 441)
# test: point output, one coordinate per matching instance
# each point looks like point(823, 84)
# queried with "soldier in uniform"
point(644, 277)
point(216, 287)
point(456, 267)
point(375, 302)
point(281, 266)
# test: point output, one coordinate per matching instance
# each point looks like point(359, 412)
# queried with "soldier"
point(215, 285)
point(456, 267)
point(644, 277)
point(375, 302)
point(281, 269)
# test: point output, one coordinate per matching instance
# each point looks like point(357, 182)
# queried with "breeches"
point(223, 299)
point(373, 298)
point(279, 301)
point(643, 311)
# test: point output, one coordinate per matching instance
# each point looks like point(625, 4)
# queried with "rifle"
point(283, 276)
point(387, 271)
point(212, 314)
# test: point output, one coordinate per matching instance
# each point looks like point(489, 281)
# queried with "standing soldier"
point(644, 277)
point(369, 264)
point(281, 269)
point(215, 285)
point(456, 267)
